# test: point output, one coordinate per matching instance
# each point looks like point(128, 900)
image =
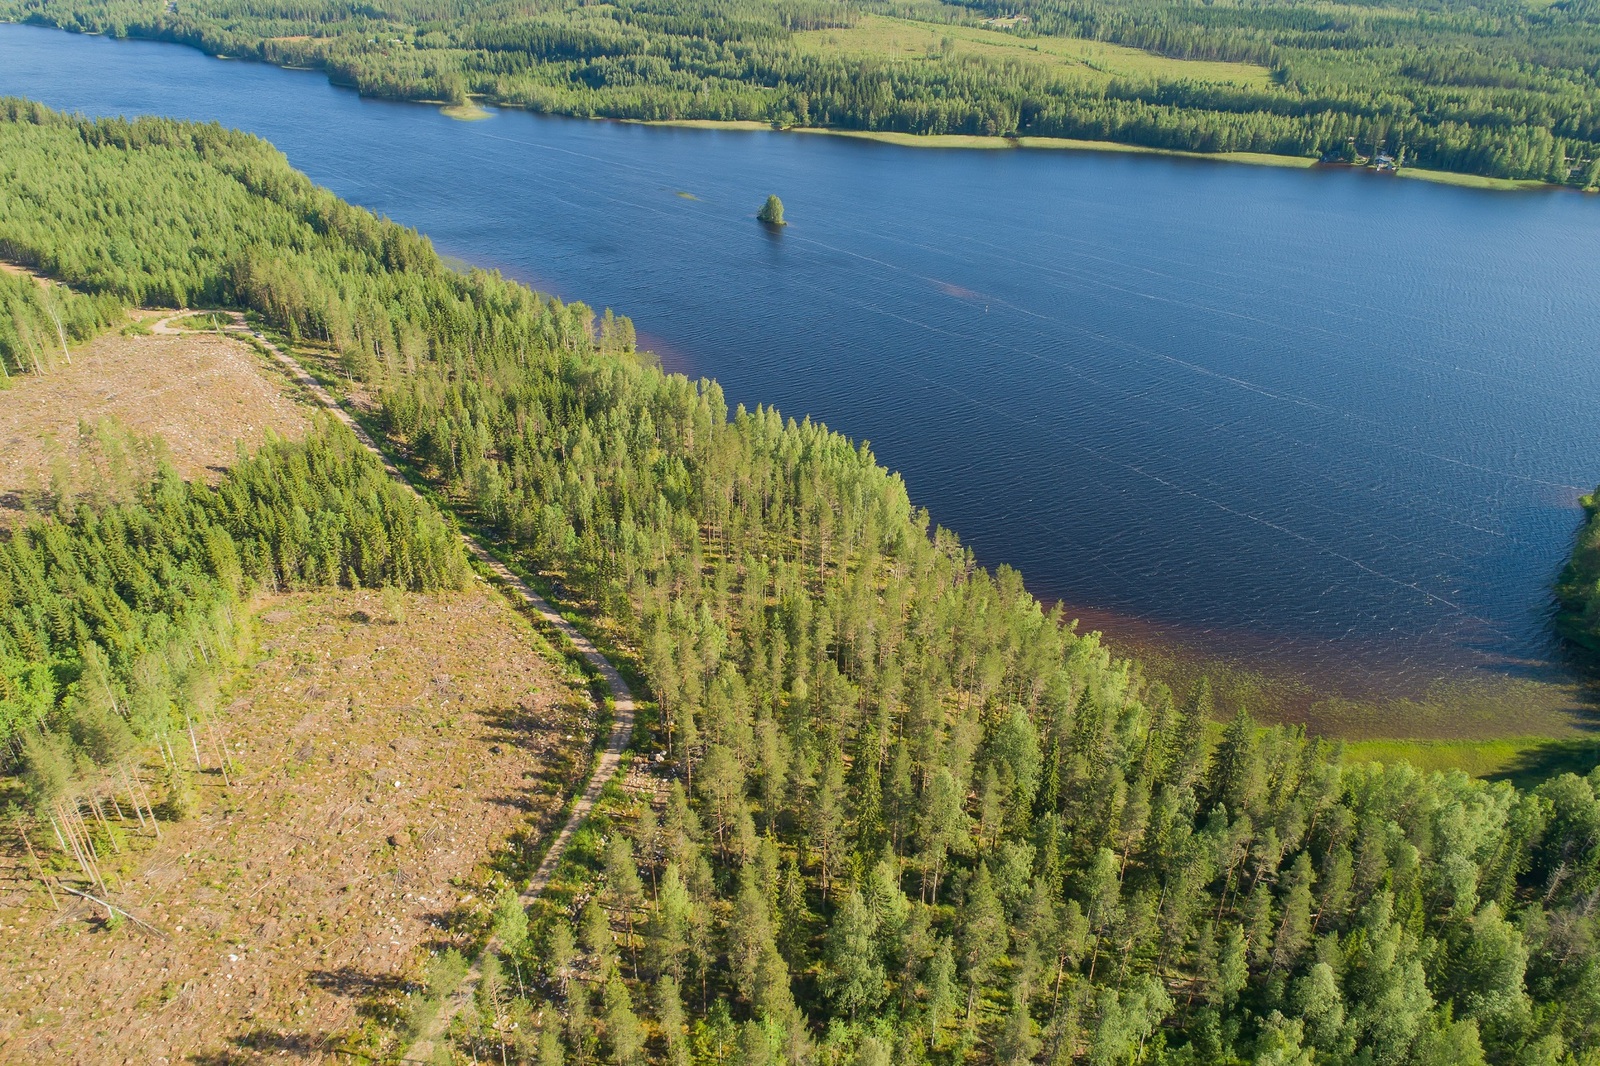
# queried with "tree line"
point(39, 323)
point(915, 815)
point(1492, 87)
point(1578, 587)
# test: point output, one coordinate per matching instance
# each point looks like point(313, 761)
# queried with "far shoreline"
point(473, 110)
point(977, 142)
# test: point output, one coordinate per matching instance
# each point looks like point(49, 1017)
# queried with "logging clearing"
point(299, 900)
point(189, 398)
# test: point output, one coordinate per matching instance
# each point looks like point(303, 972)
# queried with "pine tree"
point(940, 1003)
point(624, 1034)
point(1295, 925)
point(598, 940)
point(983, 938)
point(670, 1018)
point(622, 882)
point(852, 976)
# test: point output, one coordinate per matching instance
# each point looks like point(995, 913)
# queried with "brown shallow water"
point(1312, 684)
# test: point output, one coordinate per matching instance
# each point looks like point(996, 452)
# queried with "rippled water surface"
point(1307, 416)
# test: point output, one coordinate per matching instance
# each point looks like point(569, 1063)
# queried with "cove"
point(1315, 422)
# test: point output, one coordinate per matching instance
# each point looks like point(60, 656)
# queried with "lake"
point(1316, 422)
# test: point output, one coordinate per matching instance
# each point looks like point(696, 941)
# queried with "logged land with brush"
point(199, 394)
point(389, 755)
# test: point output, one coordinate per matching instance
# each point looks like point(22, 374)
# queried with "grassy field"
point(467, 112)
point(1094, 62)
point(1524, 761)
point(702, 124)
point(956, 140)
point(1470, 181)
point(1256, 159)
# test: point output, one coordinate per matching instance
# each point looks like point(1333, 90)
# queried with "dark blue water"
point(1309, 416)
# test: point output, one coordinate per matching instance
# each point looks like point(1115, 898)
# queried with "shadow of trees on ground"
point(1577, 755)
point(253, 1046)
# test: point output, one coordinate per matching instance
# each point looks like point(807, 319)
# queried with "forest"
point(1500, 88)
point(1578, 588)
point(913, 814)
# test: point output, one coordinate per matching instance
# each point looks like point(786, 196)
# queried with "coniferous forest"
point(1492, 87)
point(914, 815)
point(39, 322)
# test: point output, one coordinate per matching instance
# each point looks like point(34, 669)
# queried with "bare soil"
point(12, 268)
point(199, 392)
point(383, 764)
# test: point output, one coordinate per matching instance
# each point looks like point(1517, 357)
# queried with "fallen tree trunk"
point(141, 923)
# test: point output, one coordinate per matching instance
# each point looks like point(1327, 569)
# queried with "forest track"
point(423, 1047)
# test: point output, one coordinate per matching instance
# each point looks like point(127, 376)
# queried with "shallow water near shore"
point(1321, 426)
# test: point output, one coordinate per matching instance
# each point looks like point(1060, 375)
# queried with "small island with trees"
point(771, 212)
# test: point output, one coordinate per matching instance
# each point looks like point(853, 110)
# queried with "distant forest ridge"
point(1500, 88)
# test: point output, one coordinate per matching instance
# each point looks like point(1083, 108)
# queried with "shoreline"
point(1507, 719)
point(1492, 720)
point(471, 111)
point(976, 142)
point(474, 110)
